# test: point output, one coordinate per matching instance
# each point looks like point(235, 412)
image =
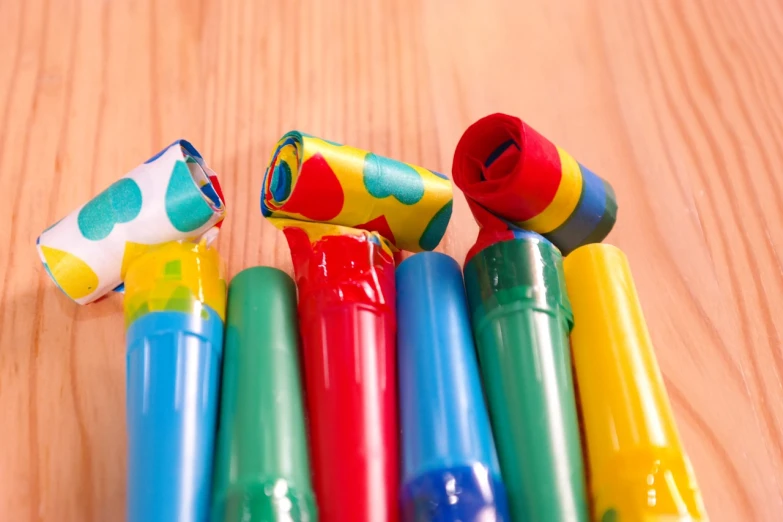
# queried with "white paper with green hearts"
point(172, 196)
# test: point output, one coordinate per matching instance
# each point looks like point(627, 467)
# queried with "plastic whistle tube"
point(450, 468)
point(347, 323)
point(638, 468)
point(262, 471)
point(174, 307)
point(521, 318)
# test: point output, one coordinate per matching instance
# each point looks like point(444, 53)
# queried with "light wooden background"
point(677, 103)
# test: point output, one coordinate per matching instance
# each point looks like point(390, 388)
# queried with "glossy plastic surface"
point(172, 397)
point(174, 307)
point(262, 470)
point(457, 494)
point(450, 469)
point(638, 468)
point(347, 323)
point(520, 316)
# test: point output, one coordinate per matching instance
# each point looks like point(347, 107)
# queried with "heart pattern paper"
point(310, 180)
point(170, 197)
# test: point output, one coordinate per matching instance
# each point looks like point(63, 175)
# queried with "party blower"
point(175, 300)
point(450, 471)
point(521, 319)
point(638, 468)
point(171, 196)
point(344, 212)
point(262, 471)
point(510, 172)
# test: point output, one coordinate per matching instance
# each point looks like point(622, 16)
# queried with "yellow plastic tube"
point(638, 469)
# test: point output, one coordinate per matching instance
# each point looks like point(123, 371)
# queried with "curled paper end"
point(314, 180)
point(175, 276)
point(172, 196)
point(508, 170)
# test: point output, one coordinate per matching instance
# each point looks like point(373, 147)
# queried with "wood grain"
point(677, 103)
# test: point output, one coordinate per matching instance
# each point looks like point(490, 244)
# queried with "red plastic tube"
point(348, 328)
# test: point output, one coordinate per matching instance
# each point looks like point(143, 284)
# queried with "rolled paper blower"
point(175, 300)
point(450, 471)
point(638, 468)
point(345, 212)
point(172, 196)
point(512, 175)
point(314, 180)
point(262, 470)
point(521, 318)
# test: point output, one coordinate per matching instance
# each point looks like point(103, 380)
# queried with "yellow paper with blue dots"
point(311, 180)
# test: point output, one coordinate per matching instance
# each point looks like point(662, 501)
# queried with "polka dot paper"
point(313, 180)
point(172, 196)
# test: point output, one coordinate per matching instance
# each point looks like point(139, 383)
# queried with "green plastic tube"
point(521, 319)
point(262, 472)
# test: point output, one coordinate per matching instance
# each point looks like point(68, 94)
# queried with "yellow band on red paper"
point(565, 200)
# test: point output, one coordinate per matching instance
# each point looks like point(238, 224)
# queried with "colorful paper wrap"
point(521, 318)
point(176, 277)
point(175, 304)
point(514, 177)
point(638, 467)
point(172, 196)
point(314, 180)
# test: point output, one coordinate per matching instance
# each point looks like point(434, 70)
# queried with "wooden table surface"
point(678, 104)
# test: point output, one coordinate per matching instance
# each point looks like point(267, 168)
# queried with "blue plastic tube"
point(174, 346)
point(450, 469)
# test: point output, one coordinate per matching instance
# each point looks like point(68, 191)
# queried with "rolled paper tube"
point(262, 471)
point(172, 196)
point(347, 323)
point(174, 308)
point(314, 180)
point(638, 467)
point(450, 468)
point(507, 169)
point(521, 318)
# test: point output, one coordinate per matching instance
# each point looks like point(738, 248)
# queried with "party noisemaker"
point(172, 196)
point(262, 471)
point(521, 318)
point(345, 212)
point(175, 300)
point(512, 175)
point(450, 471)
point(638, 467)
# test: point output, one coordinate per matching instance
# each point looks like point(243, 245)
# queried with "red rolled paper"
point(513, 177)
point(504, 165)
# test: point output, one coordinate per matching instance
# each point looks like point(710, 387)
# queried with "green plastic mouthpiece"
point(262, 471)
